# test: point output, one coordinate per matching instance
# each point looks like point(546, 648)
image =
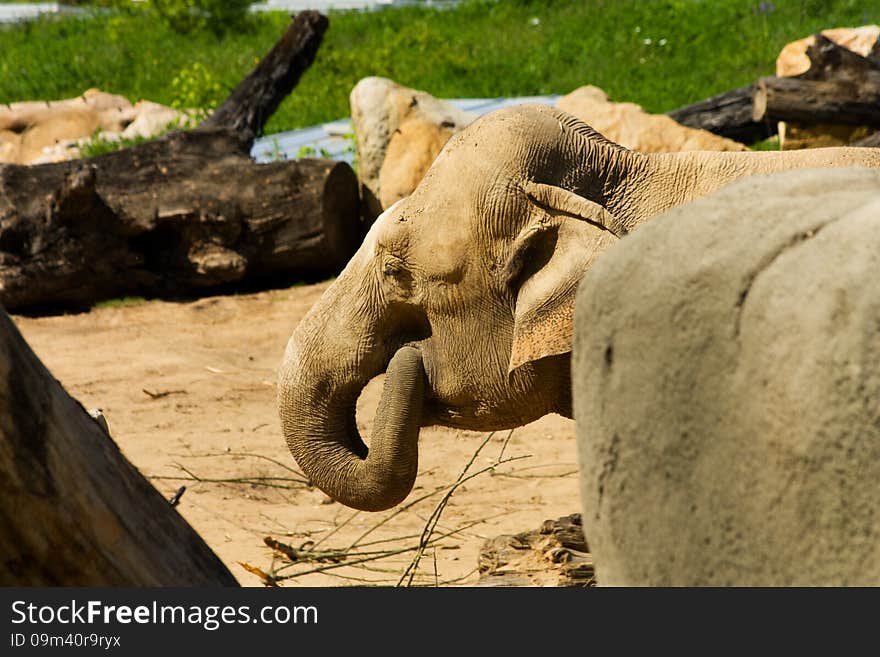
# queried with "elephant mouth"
point(505, 403)
point(366, 397)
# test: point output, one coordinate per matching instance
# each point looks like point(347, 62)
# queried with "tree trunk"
point(257, 97)
point(728, 114)
point(840, 87)
point(183, 214)
point(175, 216)
point(73, 510)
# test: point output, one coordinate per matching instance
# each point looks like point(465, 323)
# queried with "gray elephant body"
point(475, 273)
point(726, 380)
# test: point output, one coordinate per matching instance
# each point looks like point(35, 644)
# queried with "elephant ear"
point(564, 235)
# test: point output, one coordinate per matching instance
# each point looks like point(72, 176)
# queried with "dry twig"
point(407, 577)
point(363, 555)
point(268, 482)
point(162, 393)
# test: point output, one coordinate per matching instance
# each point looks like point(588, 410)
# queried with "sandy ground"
point(188, 390)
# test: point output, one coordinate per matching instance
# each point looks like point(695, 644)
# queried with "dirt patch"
point(188, 390)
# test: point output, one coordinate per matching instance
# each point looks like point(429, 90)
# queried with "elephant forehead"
point(434, 239)
point(443, 248)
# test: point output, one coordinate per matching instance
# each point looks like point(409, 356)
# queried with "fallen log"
point(73, 510)
point(728, 114)
point(556, 554)
point(183, 214)
point(840, 87)
point(818, 101)
point(169, 217)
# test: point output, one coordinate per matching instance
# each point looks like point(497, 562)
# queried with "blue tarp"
point(334, 140)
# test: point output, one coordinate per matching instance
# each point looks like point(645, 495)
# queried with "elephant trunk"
point(317, 396)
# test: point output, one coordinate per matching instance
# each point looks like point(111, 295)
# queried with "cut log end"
point(759, 101)
point(343, 227)
point(728, 114)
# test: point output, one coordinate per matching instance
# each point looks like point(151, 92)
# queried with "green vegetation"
point(659, 53)
point(99, 145)
point(769, 144)
point(120, 302)
point(187, 16)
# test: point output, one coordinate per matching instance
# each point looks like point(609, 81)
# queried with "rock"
point(153, 119)
point(400, 130)
point(36, 132)
point(726, 372)
point(792, 60)
point(20, 116)
point(629, 125)
point(10, 145)
point(410, 151)
point(61, 127)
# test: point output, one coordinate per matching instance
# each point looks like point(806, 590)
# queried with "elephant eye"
point(390, 270)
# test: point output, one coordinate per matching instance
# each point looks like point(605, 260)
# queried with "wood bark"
point(257, 97)
point(184, 214)
point(840, 87)
point(171, 217)
point(73, 510)
point(554, 555)
point(728, 114)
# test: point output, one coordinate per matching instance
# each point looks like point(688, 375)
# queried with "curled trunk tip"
point(324, 450)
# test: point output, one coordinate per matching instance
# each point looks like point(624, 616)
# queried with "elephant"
point(726, 378)
point(463, 292)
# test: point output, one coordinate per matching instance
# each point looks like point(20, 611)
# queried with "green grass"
point(770, 144)
point(100, 145)
point(121, 302)
point(478, 49)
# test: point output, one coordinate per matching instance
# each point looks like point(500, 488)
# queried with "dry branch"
point(357, 555)
point(406, 579)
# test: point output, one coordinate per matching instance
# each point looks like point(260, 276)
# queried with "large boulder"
point(792, 60)
point(726, 381)
point(629, 125)
point(399, 132)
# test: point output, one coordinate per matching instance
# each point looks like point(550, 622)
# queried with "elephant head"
point(463, 292)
